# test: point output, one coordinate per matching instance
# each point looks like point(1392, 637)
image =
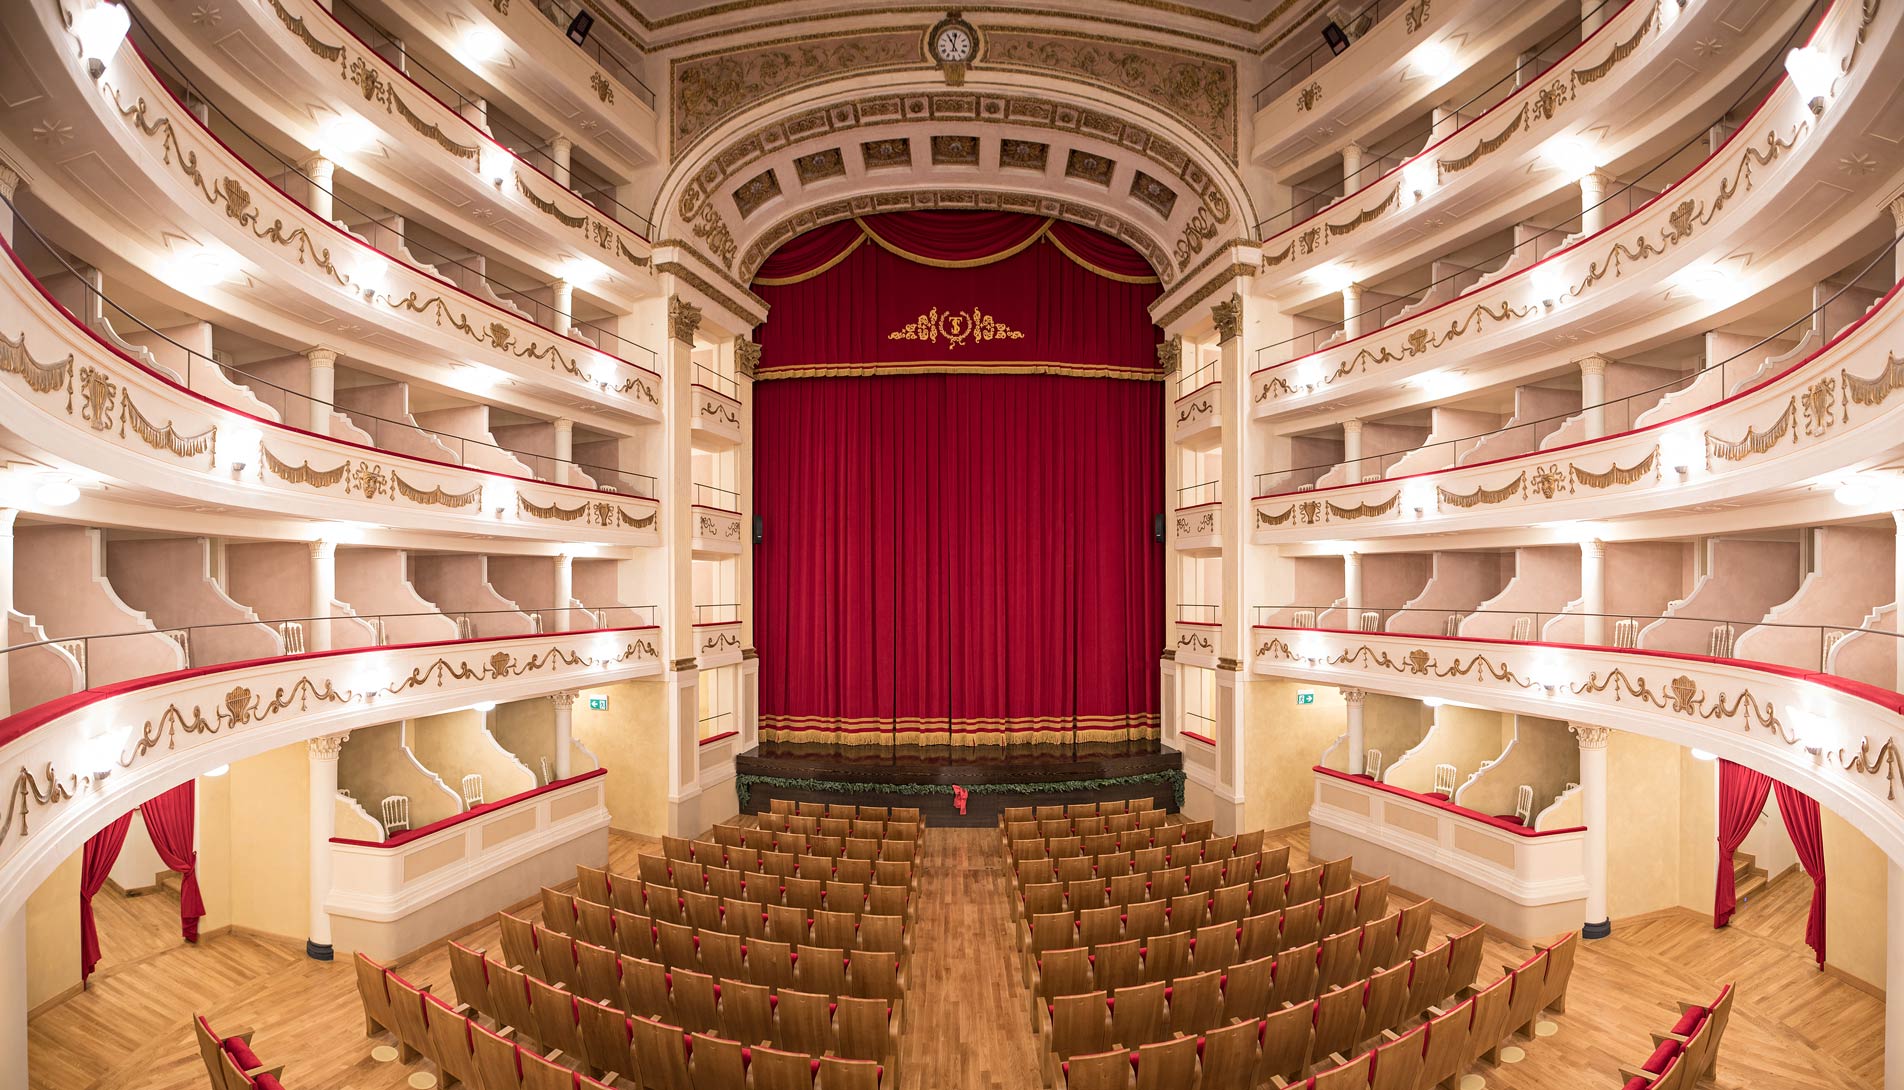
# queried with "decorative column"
point(317, 635)
point(564, 295)
point(322, 174)
point(1351, 167)
point(1593, 746)
point(7, 515)
point(1352, 587)
point(13, 974)
point(9, 185)
point(1896, 209)
point(1593, 591)
point(563, 616)
point(564, 451)
point(1592, 192)
point(323, 827)
point(1897, 585)
point(564, 703)
point(476, 112)
point(1593, 394)
point(1352, 449)
point(1353, 700)
point(684, 321)
point(323, 363)
point(1443, 119)
point(1351, 310)
point(749, 698)
point(559, 151)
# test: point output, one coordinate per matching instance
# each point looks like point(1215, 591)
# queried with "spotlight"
point(1331, 277)
point(1436, 60)
point(101, 29)
point(1572, 156)
point(483, 42)
point(58, 492)
point(1812, 73)
point(342, 134)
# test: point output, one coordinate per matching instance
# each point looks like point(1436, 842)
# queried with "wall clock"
point(953, 44)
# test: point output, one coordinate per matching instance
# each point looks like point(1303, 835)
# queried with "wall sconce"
point(237, 470)
point(1812, 73)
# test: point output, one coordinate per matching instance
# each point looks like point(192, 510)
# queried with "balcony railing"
point(1742, 371)
point(208, 377)
point(560, 13)
point(1360, 22)
point(1197, 613)
point(1190, 495)
point(717, 613)
point(277, 170)
point(715, 381)
point(707, 495)
point(1663, 171)
point(717, 726)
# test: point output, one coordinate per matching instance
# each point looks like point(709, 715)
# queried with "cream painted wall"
point(1643, 816)
point(213, 799)
point(1856, 908)
point(52, 935)
point(1462, 737)
point(374, 765)
point(1698, 831)
point(1284, 741)
point(631, 740)
point(455, 744)
point(269, 875)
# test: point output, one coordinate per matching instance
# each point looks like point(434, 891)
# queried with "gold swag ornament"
point(955, 327)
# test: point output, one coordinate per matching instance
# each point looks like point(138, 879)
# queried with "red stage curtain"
point(1801, 821)
point(1741, 797)
point(1096, 251)
point(95, 863)
point(807, 254)
point(958, 551)
point(169, 820)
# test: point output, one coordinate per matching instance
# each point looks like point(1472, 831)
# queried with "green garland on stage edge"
point(744, 784)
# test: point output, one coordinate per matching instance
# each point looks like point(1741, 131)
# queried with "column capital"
point(1170, 355)
point(1353, 287)
point(9, 179)
point(564, 699)
point(683, 319)
point(1593, 548)
point(319, 164)
point(1592, 365)
point(1228, 316)
point(325, 748)
point(7, 515)
point(747, 357)
point(1351, 427)
point(561, 142)
point(1354, 697)
point(1590, 736)
point(1895, 206)
point(323, 550)
point(320, 356)
point(563, 424)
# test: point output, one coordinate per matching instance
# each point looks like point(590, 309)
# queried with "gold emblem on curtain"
point(955, 327)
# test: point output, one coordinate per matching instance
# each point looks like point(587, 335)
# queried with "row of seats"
point(1158, 835)
point(600, 1031)
point(1689, 1052)
point(647, 936)
point(1037, 867)
point(1074, 809)
point(807, 825)
point(1233, 889)
point(1265, 932)
point(229, 1061)
point(841, 810)
point(823, 868)
point(1137, 824)
point(811, 894)
point(833, 847)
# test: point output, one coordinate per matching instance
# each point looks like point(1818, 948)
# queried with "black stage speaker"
point(760, 529)
point(583, 21)
point(1157, 528)
point(1333, 34)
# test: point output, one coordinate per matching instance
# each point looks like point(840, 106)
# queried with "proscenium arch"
point(796, 161)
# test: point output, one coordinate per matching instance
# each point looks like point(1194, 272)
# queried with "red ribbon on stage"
point(959, 795)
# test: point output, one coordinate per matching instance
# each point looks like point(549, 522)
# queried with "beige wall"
point(1856, 906)
point(526, 728)
point(1643, 816)
point(213, 799)
point(1284, 741)
point(455, 744)
point(52, 935)
point(269, 819)
point(1462, 737)
point(631, 741)
point(374, 764)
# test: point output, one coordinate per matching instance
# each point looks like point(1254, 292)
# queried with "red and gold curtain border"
point(866, 233)
point(922, 367)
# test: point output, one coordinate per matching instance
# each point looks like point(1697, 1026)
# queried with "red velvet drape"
point(1801, 821)
point(1741, 797)
point(957, 530)
point(95, 864)
point(169, 820)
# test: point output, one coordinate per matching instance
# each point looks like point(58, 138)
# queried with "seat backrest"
point(660, 1055)
point(497, 1064)
point(1353, 1075)
point(775, 1069)
point(1286, 1035)
point(396, 813)
point(1137, 1014)
point(1168, 1065)
point(1338, 1020)
point(1397, 1064)
point(806, 1022)
point(715, 1063)
point(1447, 1043)
point(1464, 960)
point(1079, 1024)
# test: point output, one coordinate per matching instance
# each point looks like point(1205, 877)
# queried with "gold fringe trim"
point(1484, 497)
point(1276, 520)
point(931, 368)
point(1098, 269)
point(550, 511)
point(166, 437)
point(1617, 475)
point(1366, 510)
point(867, 234)
point(436, 497)
point(1620, 52)
point(430, 129)
point(783, 281)
point(942, 263)
point(642, 523)
point(41, 378)
point(1878, 388)
point(548, 207)
point(295, 24)
point(1367, 215)
point(1753, 441)
point(1445, 167)
point(1270, 261)
point(809, 722)
point(303, 474)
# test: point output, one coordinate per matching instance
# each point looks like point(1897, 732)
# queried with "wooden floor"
point(1793, 1028)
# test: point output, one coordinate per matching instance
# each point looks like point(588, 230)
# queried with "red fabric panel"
point(1101, 250)
point(954, 236)
point(1741, 796)
point(169, 821)
point(957, 548)
point(95, 863)
point(1061, 313)
point(241, 1052)
point(1689, 1021)
point(806, 252)
point(1800, 812)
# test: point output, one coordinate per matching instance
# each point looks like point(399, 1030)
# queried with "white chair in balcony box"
point(548, 774)
point(1524, 804)
point(1451, 625)
point(1626, 633)
point(1305, 618)
point(292, 633)
point(1370, 621)
point(1444, 781)
point(396, 814)
point(472, 790)
point(1523, 628)
point(1720, 646)
point(1372, 764)
point(182, 637)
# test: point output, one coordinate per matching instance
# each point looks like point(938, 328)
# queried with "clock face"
point(953, 45)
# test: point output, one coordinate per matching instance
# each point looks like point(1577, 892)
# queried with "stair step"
point(1751, 885)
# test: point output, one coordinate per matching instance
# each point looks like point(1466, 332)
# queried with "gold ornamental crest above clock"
point(952, 44)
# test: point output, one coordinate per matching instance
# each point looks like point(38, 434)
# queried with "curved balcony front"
point(86, 759)
point(1835, 739)
point(1594, 103)
point(167, 203)
point(1774, 202)
point(1824, 417)
point(79, 405)
point(423, 153)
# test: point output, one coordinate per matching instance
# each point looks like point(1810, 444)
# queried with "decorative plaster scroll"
point(1198, 89)
point(711, 87)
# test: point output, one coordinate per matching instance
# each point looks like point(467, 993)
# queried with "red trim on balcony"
point(711, 507)
point(408, 835)
point(1440, 803)
point(721, 737)
point(1194, 736)
point(1888, 699)
point(1194, 506)
point(22, 723)
point(717, 393)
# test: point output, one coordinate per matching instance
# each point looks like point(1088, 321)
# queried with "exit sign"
point(1305, 696)
point(598, 703)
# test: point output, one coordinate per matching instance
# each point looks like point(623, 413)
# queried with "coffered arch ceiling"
point(1039, 143)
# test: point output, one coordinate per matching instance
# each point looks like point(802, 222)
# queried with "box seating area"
point(1689, 1052)
point(229, 1061)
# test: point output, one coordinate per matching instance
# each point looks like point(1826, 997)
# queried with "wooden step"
point(1751, 885)
point(1742, 865)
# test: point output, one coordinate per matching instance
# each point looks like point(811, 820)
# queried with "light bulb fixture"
point(482, 42)
point(1708, 282)
point(1812, 73)
point(1550, 284)
point(494, 163)
point(56, 492)
point(582, 271)
point(1435, 60)
point(1681, 450)
point(101, 29)
point(1854, 493)
point(1703, 755)
point(1432, 702)
point(1419, 178)
point(484, 706)
point(343, 134)
point(1309, 375)
point(1572, 156)
point(1331, 277)
point(197, 270)
point(214, 773)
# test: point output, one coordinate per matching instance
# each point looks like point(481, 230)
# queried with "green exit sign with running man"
point(598, 703)
point(1305, 696)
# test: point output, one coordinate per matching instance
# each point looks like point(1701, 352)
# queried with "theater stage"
point(994, 776)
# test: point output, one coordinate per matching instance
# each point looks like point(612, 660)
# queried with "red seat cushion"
point(241, 1052)
point(1689, 1021)
point(268, 1081)
point(1636, 1083)
point(1661, 1056)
